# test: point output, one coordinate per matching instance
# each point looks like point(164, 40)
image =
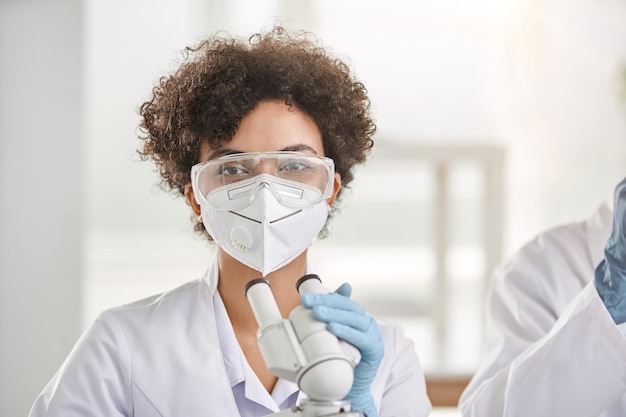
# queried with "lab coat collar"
point(211, 275)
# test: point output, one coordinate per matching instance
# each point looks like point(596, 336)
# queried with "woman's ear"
point(191, 199)
point(336, 188)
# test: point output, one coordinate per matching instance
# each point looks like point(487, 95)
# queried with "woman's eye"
point(231, 170)
point(295, 166)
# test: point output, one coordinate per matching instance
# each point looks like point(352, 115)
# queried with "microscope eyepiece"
point(254, 282)
point(306, 278)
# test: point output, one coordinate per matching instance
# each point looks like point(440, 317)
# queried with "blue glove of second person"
point(610, 275)
point(348, 321)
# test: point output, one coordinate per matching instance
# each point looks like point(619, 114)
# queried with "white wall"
point(538, 76)
point(40, 194)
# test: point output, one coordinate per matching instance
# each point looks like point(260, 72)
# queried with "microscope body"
point(302, 350)
point(312, 408)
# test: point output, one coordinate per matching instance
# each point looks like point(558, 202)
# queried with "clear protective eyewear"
point(296, 179)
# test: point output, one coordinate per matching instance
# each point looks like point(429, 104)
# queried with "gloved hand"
point(348, 321)
point(610, 275)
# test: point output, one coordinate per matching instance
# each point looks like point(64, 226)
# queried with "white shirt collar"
point(237, 367)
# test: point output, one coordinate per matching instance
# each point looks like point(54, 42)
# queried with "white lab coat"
point(552, 348)
point(161, 357)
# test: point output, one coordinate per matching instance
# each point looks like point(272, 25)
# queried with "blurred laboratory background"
point(496, 119)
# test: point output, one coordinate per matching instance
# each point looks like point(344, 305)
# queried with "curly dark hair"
point(224, 78)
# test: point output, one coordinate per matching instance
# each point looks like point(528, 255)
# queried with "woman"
point(259, 136)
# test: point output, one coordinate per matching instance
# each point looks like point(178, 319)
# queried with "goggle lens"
point(293, 171)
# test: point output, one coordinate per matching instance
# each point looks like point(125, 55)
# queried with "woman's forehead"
point(272, 126)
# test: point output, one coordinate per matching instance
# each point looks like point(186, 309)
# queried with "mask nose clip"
point(264, 185)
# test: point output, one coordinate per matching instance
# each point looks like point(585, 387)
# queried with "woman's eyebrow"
point(223, 152)
point(300, 147)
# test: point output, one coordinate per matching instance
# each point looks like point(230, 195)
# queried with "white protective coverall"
point(161, 357)
point(552, 348)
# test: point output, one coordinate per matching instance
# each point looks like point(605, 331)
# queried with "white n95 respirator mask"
point(264, 220)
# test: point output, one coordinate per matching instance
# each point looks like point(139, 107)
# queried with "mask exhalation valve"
point(242, 238)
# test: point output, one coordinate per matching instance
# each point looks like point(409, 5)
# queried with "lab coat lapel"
point(221, 399)
point(182, 372)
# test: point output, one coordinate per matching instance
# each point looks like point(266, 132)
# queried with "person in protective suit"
point(556, 324)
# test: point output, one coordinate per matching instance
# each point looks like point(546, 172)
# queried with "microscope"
point(301, 349)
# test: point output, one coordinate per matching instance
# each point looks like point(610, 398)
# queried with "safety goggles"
point(296, 179)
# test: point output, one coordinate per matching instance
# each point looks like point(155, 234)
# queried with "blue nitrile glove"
point(348, 321)
point(610, 275)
